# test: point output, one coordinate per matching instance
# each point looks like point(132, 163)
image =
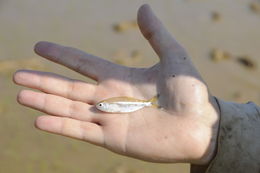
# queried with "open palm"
point(184, 128)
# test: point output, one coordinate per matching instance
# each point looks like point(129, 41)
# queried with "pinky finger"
point(86, 131)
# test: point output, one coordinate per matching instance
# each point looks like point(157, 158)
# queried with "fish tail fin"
point(154, 101)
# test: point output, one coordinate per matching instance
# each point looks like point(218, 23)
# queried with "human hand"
point(183, 130)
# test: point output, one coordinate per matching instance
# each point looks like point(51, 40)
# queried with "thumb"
point(154, 31)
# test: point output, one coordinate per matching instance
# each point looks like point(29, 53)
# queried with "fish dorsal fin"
point(122, 99)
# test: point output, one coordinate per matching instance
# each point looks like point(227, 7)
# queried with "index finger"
point(94, 67)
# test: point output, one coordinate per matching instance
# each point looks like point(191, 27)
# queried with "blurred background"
point(221, 36)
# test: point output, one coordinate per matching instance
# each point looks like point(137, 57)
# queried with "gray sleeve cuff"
point(238, 147)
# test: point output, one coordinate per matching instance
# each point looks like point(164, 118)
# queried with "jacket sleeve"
point(238, 147)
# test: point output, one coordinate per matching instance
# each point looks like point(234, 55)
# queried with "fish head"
point(103, 106)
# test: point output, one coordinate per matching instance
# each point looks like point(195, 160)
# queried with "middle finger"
point(58, 106)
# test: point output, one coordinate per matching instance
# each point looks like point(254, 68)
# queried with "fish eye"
point(100, 104)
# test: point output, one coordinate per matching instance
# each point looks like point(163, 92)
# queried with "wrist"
point(215, 130)
point(213, 123)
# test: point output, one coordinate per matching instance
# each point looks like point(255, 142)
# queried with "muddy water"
point(89, 25)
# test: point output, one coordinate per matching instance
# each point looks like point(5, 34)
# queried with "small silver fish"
point(125, 104)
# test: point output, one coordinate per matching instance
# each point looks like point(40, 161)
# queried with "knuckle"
point(45, 101)
point(71, 109)
point(64, 126)
point(71, 88)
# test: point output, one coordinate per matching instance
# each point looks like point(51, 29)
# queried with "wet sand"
point(200, 25)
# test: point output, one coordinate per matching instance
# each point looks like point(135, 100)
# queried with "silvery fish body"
point(124, 104)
